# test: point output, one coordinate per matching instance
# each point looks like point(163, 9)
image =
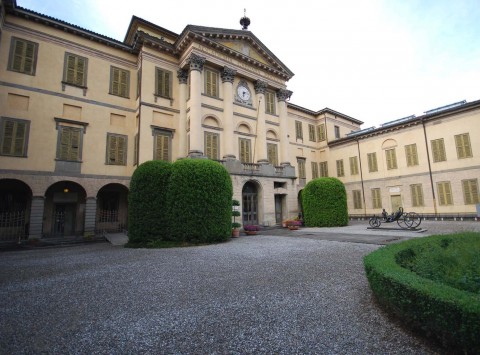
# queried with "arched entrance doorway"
point(250, 203)
point(112, 209)
point(15, 203)
point(64, 209)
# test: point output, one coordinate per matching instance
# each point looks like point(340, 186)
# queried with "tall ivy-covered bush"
point(147, 202)
point(324, 203)
point(200, 201)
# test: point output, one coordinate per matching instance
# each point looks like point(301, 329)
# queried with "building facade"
point(80, 111)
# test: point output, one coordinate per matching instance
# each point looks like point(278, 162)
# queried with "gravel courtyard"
point(251, 295)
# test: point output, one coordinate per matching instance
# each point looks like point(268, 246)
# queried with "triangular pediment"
point(241, 44)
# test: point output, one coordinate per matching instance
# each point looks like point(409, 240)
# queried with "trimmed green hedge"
point(324, 203)
point(448, 314)
point(200, 201)
point(147, 202)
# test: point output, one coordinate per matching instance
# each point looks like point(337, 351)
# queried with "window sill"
point(65, 84)
point(124, 97)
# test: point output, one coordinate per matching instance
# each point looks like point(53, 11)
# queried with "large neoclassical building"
point(80, 111)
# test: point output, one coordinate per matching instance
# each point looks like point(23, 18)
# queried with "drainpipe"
point(429, 168)
point(361, 178)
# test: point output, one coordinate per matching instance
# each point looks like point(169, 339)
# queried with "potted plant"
point(251, 229)
point(235, 214)
point(294, 225)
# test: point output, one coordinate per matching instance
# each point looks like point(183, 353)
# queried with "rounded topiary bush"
point(147, 202)
point(324, 203)
point(200, 201)
point(409, 280)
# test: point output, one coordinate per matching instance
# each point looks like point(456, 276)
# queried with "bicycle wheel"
point(414, 219)
point(374, 222)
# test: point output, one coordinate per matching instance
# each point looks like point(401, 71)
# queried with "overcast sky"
point(374, 60)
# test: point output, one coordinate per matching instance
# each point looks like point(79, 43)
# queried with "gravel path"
point(252, 295)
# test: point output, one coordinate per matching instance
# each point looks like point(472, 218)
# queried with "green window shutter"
point(411, 154)
point(75, 145)
point(272, 154)
point(245, 150)
point(357, 199)
point(8, 134)
point(270, 102)
point(29, 58)
point(19, 54)
point(311, 133)
point(211, 83)
point(70, 77)
point(117, 146)
point(391, 159)
point(372, 162)
point(80, 71)
point(20, 133)
point(166, 85)
point(323, 169)
point(417, 195)
point(163, 83)
point(162, 143)
point(376, 198)
point(298, 130)
point(444, 193)
point(112, 149)
point(470, 191)
point(340, 170)
point(301, 169)
point(214, 146)
point(135, 150)
point(321, 132)
point(353, 166)
point(314, 170)
point(124, 83)
point(438, 149)
point(115, 81)
point(462, 142)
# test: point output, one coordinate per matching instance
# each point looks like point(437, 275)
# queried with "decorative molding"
point(212, 127)
point(212, 107)
point(244, 116)
point(196, 62)
point(260, 87)
point(283, 94)
point(182, 76)
point(228, 75)
point(64, 120)
point(273, 123)
point(159, 107)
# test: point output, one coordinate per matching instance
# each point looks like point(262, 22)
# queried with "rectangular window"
point(135, 150)
point(321, 132)
point(270, 102)
point(357, 199)
point(245, 150)
point(301, 168)
point(438, 149)
point(376, 198)
point(75, 70)
point(298, 130)
point(411, 154)
point(470, 191)
point(391, 159)
point(116, 149)
point(14, 134)
point(444, 193)
point(119, 82)
point(337, 132)
point(416, 191)
point(372, 162)
point(462, 142)
point(311, 133)
point(211, 83)
point(163, 83)
point(272, 154)
point(212, 145)
point(23, 56)
point(161, 146)
point(314, 170)
point(353, 166)
point(323, 169)
point(340, 169)
point(70, 143)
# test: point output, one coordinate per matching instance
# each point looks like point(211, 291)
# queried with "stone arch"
point(244, 127)
point(389, 143)
point(252, 202)
point(15, 207)
point(212, 121)
point(64, 210)
point(112, 208)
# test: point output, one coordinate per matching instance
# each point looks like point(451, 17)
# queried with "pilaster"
point(182, 76)
point(228, 76)
point(196, 132)
point(261, 140)
point(90, 216)
point(282, 96)
point(36, 217)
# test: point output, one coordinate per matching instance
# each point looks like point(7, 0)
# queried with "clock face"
point(243, 93)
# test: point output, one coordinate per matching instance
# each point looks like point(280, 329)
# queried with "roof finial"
point(245, 21)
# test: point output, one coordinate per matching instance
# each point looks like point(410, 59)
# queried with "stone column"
point(282, 96)
point(36, 217)
point(261, 141)
point(182, 76)
point(228, 75)
point(90, 216)
point(196, 132)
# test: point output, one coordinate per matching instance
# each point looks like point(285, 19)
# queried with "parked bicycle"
point(405, 220)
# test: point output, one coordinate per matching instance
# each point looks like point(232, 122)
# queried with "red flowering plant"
point(251, 228)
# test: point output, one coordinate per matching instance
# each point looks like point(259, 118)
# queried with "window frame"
point(247, 143)
point(391, 159)
point(160, 74)
point(416, 194)
point(470, 197)
point(61, 131)
point(270, 102)
point(301, 162)
point(353, 165)
point(411, 154)
point(165, 134)
point(445, 197)
point(11, 56)
point(311, 133)
point(121, 160)
point(298, 130)
point(321, 132)
point(340, 168)
point(372, 162)
point(127, 83)
point(357, 199)
point(438, 156)
point(272, 149)
point(463, 146)
point(323, 168)
point(66, 70)
point(26, 134)
point(315, 171)
point(336, 130)
point(376, 197)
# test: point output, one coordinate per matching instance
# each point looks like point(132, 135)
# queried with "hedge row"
point(448, 314)
point(187, 201)
point(324, 202)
